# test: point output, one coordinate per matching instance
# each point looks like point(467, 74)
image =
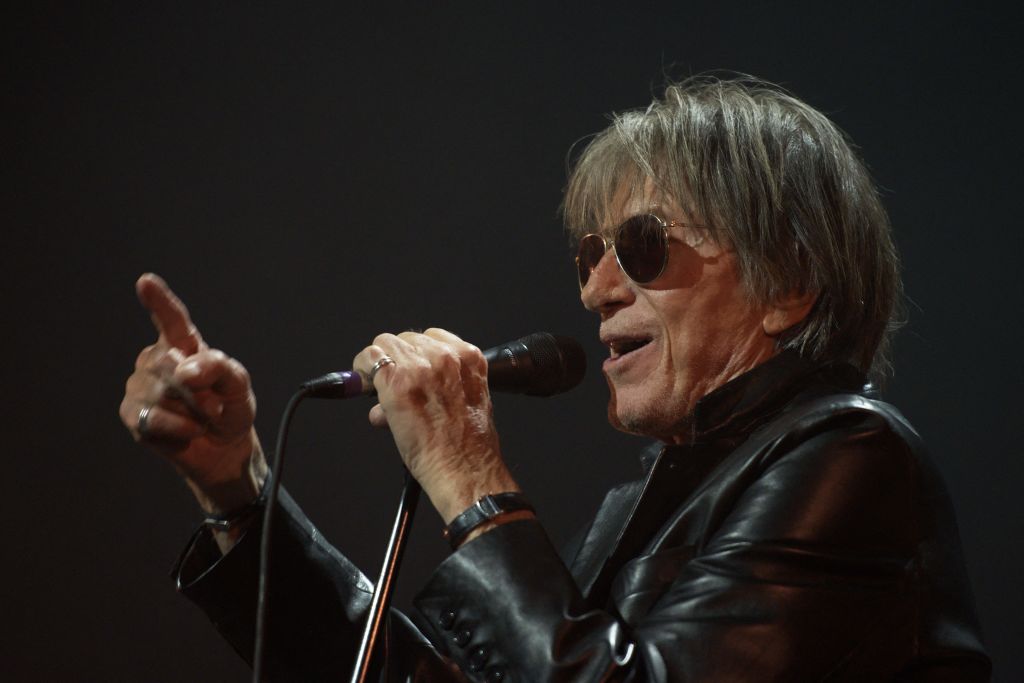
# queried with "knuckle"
point(238, 369)
point(370, 353)
point(140, 384)
point(144, 356)
point(472, 353)
point(216, 355)
point(124, 412)
point(447, 357)
point(454, 353)
point(383, 338)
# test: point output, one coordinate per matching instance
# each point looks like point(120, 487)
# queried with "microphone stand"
point(388, 574)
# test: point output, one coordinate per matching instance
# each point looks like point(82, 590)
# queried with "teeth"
point(621, 348)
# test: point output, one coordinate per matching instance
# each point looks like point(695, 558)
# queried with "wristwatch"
point(482, 511)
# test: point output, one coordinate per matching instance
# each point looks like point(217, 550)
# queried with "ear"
point(787, 311)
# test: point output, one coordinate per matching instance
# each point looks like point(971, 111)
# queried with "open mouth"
point(623, 347)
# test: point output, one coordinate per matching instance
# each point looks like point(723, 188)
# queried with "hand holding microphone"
point(438, 406)
point(539, 364)
point(433, 395)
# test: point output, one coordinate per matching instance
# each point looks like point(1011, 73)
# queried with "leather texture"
point(801, 534)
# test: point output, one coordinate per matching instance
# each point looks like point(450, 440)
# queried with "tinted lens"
point(641, 247)
point(590, 253)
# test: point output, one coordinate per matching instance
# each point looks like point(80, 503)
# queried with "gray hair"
point(779, 182)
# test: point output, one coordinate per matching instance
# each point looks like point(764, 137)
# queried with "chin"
point(641, 420)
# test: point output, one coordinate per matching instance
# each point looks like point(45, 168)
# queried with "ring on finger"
point(381, 362)
point(142, 423)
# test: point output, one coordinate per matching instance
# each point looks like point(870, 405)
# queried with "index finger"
point(169, 315)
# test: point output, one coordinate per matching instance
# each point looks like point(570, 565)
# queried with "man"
point(787, 528)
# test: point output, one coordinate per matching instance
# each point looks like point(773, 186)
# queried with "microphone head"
point(539, 364)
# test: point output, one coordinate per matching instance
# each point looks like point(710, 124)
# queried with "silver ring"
point(143, 422)
point(381, 362)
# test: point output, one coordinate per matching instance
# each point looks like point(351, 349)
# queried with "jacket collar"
point(721, 421)
point(727, 415)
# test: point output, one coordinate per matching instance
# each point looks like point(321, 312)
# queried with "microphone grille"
point(560, 363)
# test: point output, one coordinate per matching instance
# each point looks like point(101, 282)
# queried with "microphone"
point(538, 364)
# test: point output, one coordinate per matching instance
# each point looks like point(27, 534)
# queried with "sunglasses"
point(641, 248)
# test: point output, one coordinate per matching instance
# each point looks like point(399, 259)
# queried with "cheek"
point(706, 330)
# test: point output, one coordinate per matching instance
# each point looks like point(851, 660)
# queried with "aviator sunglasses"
point(640, 245)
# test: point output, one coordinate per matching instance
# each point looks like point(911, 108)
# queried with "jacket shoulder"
point(835, 410)
point(840, 429)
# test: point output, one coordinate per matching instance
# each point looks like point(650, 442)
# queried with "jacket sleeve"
point(809, 571)
point(317, 606)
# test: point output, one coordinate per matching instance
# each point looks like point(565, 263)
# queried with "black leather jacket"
point(800, 535)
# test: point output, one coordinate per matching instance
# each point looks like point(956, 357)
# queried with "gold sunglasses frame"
point(665, 226)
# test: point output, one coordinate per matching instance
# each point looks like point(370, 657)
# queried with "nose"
point(608, 288)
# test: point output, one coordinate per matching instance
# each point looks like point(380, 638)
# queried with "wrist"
point(240, 517)
point(485, 514)
point(223, 493)
point(453, 495)
point(495, 523)
point(232, 505)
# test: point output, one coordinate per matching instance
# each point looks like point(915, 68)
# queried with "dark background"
point(306, 177)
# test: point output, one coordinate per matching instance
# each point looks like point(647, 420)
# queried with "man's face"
point(696, 326)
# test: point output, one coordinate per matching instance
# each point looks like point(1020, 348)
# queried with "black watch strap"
point(484, 510)
point(228, 521)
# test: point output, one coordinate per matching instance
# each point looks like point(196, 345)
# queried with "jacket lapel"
point(675, 474)
point(606, 528)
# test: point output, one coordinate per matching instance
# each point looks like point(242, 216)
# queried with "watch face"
point(484, 510)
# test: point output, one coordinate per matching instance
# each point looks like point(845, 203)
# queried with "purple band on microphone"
point(335, 385)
